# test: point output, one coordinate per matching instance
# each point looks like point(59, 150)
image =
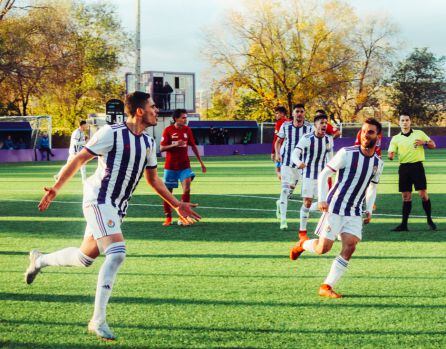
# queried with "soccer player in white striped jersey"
point(125, 152)
point(289, 135)
point(358, 170)
point(77, 142)
point(311, 154)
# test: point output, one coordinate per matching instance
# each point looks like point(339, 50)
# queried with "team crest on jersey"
point(110, 223)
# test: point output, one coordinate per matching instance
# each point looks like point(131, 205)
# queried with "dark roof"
point(15, 126)
point(223, 124)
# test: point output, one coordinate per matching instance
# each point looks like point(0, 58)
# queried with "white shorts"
point(309, 188)
point(102, 220)
point(290, 175)
point(332, 225)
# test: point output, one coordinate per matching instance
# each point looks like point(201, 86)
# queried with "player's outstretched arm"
point(184, 209)
point(197, 154)
point(295, 158)
point(67, 172)
point(370, 197)
point(277, 146)
point(322, 188)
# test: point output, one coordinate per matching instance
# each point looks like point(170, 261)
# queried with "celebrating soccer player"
point(281, 115)
point(175, 142)
point(311, 155)
point(125, 151)
point(409, 145)
point(358, 170)
point(289, 135)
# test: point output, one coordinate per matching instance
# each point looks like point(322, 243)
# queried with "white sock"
point(309, 245)
point(114, 257)
point(338, 268)
point(313, 207)
point(284, 195)
point(304, 215)
point(68, 257)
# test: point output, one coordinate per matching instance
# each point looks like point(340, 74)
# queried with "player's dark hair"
point(405, 114)
point(135, 100)
point(299, 105)
point(373, 121)
point(83, 122)
point(177, 113)
point(281, 109)
point(321, 111)
point(320, 117)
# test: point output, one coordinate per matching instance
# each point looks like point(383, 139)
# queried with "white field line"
point(215, 207)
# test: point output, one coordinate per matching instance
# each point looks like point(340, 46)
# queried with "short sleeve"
point(377, 175)
point(152, 161)
point(303, 143)
point(424, 137)
point(190, 137)
point(393, 146)
point(101, 142)
point(281, 133)
point(165, 138)
point(338, 161)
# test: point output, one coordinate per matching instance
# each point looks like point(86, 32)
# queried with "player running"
point(77, 142)
point(175, 141)
point(289, 135)
point(311, 155)
point(358, 170)
point(125, 152)
point(281, 115)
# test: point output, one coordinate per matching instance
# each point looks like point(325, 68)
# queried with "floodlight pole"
point(138, 46)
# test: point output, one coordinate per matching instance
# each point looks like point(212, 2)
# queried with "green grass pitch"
point(227, 281)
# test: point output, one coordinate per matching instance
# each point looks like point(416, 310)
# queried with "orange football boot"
point(167, 222)
point(327, 291)
point(297, 250)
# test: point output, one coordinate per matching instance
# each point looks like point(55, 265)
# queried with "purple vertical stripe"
point(108, 171)
point(288, 151)
point(345, 186)
point(318, 157)
point(310, 158)
point(135, 170)
point(333, 190)
point(361, 198)
point(362, 176)
point(123, 166)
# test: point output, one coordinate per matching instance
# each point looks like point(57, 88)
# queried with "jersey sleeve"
point(281, 133)
point(338, 161)
point(152, 161)
point(190, 137)
point(375, 178)
point(165, 138)
point(101, 142)
point(424, 137)
point(303, 143)
point(393, 146)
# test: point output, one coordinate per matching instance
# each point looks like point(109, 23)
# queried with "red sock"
point(185, 197)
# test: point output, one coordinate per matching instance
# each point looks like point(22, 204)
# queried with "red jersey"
point(276, 131)
point(378, 142)
point(177, 158)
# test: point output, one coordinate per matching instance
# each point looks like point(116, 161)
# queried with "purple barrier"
point(25, 155)
point(236, 149)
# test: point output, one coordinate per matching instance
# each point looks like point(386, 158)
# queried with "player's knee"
point(307, 203)
point(423, 195)
point(322, 249)
point(286, 191)
point(116, 252)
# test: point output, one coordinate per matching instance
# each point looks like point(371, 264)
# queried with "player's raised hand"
point(322, 206)
point(187, 215)
point(50, 194)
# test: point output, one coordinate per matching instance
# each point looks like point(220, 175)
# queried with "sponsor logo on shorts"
point(110, 223)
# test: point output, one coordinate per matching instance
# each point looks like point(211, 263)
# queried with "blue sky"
point(171, 29)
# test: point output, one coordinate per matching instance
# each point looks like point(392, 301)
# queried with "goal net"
point(25, 131)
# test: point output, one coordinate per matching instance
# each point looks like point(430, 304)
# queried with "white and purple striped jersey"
point(355, 172)
point(122, 159)
point(317, 151)
point(77, 141)
point(291, 136)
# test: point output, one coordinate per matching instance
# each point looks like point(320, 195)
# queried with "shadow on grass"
point(206, 302)
point(328, 331)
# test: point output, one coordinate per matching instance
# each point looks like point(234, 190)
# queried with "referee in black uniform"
point(409, 145)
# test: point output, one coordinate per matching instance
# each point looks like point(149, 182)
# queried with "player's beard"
point(371, 144)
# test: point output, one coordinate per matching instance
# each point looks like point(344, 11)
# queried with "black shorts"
point(412, 174)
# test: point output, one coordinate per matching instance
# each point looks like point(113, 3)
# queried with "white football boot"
point(283, 225)
point(101, 330)
point(32, 270)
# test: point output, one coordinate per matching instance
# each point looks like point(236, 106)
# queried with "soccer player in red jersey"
point(281, 115)
point(175, 142)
